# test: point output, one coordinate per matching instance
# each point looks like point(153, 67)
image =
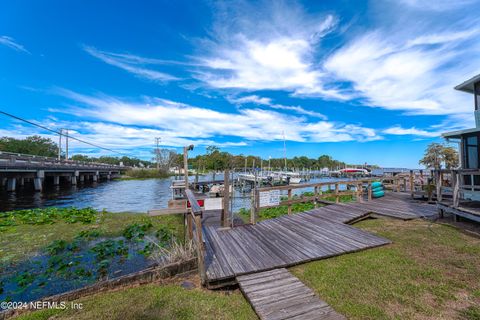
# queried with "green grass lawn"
point(431, 271)
point(155, 302)
point(18, 242)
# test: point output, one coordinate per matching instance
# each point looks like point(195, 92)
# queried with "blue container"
point(376, 184)
point(377, 189)
point(378, 194)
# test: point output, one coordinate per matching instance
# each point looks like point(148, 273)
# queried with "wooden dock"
point(277, 294)
point(293, 239)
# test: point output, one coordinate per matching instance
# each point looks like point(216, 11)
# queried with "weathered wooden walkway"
point(277, 294)
point(298, 238)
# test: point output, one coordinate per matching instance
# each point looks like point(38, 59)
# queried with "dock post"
point(369, 186)
point(4, 182)
point(412, 186)
point(11, 184)
point(315, 193)
point(359, 192)
point(438, 185)
point(337, 198)
point(56, 180)
point(96, 176)
point(21, 181)
point(81, 178)
point(189, 232)
point(252, 207)
point(289, 199)
point(226, 198)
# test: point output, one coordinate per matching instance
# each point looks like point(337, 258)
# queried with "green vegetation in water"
point(27, 234)
point(48, 216)
point(137, 174)
point(83, 253)
point(429, 271)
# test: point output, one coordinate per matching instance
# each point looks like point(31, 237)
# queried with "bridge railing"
point(8, 159)
point(195, 231)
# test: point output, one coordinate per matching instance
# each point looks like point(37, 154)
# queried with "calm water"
point(113, 196)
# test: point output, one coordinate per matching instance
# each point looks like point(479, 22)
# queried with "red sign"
point(200, 202)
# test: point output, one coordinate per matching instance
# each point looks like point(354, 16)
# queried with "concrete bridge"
point(19, 169)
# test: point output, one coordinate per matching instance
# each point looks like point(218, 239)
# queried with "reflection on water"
point(113, 196)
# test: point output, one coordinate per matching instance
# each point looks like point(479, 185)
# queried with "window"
point(476, 93)
point(471, 151)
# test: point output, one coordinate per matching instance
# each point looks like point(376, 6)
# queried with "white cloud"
point(410, 71)
point(254, 99)
point(132, 64)
point(189, 122)
point(11, 43)
point(398, 130)
point(272, 47)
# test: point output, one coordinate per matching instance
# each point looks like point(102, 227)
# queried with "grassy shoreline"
point(430, 271)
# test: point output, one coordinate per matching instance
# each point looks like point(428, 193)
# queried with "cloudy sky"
point(362, 81)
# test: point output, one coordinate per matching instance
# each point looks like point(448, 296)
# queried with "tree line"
point(214, 159)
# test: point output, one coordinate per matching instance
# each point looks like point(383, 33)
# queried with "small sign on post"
point(269, 198)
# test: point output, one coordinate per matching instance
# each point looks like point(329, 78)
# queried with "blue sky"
point(362, 81)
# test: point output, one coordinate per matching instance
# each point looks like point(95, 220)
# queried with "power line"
point(59, 133)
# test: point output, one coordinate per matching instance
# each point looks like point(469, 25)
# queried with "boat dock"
point(254, 256)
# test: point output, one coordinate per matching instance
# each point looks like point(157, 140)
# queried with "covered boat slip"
point(293, 239)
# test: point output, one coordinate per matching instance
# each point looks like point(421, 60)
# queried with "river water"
point(113, 196)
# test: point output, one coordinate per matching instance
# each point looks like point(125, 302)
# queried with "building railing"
point(459, 184)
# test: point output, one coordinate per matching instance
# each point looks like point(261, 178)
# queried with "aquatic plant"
point(109, 248)
point(164, 235)
point(48, 216)
point(87, 235)
point(137, 230)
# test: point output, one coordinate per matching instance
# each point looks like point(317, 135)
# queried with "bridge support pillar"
point(96, 176)
point(74, 178)
point(81, 178)
point(21, 181)
point(38, 180)
point(11, 184)
point(56, 180)
point(109, 176)
point(4, 182)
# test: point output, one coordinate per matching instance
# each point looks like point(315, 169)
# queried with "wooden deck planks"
point(280, 242)
point(289, 240)
point(277, 294)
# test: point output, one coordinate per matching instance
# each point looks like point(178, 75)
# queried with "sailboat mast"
point(284, 150)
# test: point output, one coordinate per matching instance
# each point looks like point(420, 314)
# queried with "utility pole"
point(60, 146)
point(66, 146)
point(157, 152)
point(185, 163)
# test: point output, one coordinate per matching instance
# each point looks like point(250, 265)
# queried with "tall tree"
point(437, 154)
point(34, 145)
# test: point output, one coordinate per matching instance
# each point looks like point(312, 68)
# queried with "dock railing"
point(269, 197)
point(195, 231)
